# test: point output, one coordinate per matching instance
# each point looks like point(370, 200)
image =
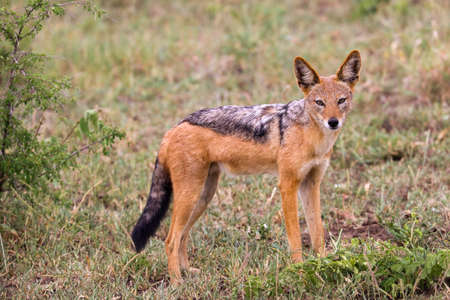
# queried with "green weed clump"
point(370, 270)
point(366, 268)
point(411, 232)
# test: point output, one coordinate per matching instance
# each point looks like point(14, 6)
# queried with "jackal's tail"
point(155, 209)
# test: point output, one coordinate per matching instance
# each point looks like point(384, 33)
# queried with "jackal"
point(293, 140)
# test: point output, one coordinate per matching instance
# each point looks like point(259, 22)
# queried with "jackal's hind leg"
point(207, 194)
point(187, 189)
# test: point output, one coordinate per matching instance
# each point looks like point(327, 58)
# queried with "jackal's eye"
point(341, 100)
point(320, 102)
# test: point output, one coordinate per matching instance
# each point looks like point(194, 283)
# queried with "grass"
point(147, 65)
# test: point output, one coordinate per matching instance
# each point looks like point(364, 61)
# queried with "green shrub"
point(28, 160)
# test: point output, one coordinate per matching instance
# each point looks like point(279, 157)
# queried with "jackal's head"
point(328, 99)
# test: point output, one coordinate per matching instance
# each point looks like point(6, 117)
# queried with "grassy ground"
point(146, 66)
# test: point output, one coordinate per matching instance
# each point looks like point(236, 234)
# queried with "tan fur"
point(195, 155)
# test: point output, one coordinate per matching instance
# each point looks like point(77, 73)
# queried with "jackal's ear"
point(349, 71)
point(306, 76)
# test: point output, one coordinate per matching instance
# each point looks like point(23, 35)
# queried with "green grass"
point(146, 66)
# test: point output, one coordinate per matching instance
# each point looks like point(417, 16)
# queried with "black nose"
point(333, 122)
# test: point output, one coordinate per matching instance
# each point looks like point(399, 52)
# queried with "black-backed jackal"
point(293, 140)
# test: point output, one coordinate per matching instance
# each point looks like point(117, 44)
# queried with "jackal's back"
point(249, 122)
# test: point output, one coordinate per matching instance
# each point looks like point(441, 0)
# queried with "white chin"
point(332, 129)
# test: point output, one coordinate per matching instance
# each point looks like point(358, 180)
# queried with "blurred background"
point(147, 64)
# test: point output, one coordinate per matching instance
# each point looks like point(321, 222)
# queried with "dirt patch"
point(345, 223)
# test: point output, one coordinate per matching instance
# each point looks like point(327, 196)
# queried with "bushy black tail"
point(155, 209)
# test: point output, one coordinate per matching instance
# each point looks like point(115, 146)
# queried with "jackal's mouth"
point(332, 124)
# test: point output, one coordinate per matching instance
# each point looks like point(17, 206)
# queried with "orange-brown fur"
point(194, 154)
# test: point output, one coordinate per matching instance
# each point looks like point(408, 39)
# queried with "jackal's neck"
point(324, 138)
point(295, 111)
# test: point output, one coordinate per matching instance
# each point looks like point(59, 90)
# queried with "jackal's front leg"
point(288, 187)
point(310, 195)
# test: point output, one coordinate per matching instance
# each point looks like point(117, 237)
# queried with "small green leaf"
point(397, 268)
point(84, 126)
point(93, 117)
point(57, 10)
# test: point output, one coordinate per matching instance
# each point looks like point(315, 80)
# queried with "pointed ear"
point(306, 76)
point(349, 71)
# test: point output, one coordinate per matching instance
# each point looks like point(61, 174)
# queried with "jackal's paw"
point(194, 270)
point(323, 253)
point(174, 281)
point(297, 258)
